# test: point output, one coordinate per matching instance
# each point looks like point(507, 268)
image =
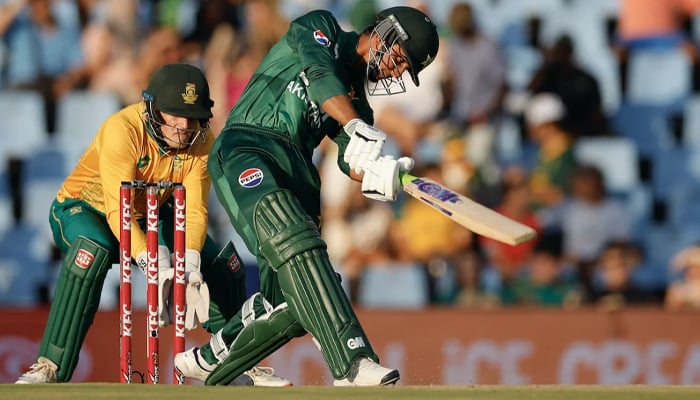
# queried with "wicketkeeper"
point(165, 137)
point(312, 84)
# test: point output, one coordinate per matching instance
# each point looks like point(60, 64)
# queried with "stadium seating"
point(23, 127)
point(616, 157)
point(397, 286)
point(78, 117)
point(22, 274)
point(671, 170)
point(659, 76)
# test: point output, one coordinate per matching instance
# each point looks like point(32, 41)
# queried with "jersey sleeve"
point(118, 164)
point(314, 37)
point(197, 184)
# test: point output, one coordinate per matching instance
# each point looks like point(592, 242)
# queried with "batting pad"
point(293, 246)
point(75, 303)
point(225, 277)
point(264, 332)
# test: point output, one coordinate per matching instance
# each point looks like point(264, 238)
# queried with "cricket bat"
point(466, 212)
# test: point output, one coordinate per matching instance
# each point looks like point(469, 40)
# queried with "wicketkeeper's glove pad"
point(196, 291)
point(166, 274)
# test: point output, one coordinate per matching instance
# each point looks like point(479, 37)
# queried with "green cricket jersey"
point(314, 61)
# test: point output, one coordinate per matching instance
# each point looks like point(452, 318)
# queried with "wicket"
point(125, 310)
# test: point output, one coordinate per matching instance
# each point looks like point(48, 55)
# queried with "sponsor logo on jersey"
point(321, 38)
point(190, 94)
point(83, 259)
point(250, 178)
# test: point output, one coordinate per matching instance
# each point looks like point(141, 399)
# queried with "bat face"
point(466, 212)
point(434, 195)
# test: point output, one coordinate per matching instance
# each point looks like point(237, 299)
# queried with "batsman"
point(312, 84)
point(165, 137)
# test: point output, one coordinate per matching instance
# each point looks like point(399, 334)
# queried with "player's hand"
point(365, 146)
point(381, 180)
point(196, 291)
point(166, 274)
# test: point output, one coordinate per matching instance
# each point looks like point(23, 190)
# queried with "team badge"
point(250, 178)
point(321, 38)
point(143, 162)
point(84, 258)
point(234, 263)
point(190, 95)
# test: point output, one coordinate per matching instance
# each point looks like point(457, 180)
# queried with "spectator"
point(357, 235)
point(128, 71)
point(614, 285)
point(577, 89)
point(211, 15)
point(684, 293)
point(230, 61)
point(468, 275)
point(474, 90)
point(264, 24)
point(590, 219)
point(45, 51)
point(425, 238)
point(504, 260)
point(645, 24)
point(547, 280)
point(549, 178)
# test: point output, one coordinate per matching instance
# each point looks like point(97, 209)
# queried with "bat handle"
point(405, 177)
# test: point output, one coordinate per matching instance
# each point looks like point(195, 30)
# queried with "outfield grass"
point(101, 391)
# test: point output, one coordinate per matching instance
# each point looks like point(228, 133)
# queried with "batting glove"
point(196, 292)
point(365, 146)
point(381, 180)
point(166, 274)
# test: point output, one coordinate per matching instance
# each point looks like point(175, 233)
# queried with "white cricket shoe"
point(43, 371)
point(265, 377)
point(365, 372)
point(191, 365)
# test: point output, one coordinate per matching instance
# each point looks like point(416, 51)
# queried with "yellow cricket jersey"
point(121, 151)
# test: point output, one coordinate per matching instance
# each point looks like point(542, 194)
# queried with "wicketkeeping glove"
point(166, 274)
point(381, 180)
point(365, 146)
point(196, 291)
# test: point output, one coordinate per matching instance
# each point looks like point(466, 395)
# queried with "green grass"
point(98, 391)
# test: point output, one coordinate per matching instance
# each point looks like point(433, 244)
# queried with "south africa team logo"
point(321, 38)
point(250, 178)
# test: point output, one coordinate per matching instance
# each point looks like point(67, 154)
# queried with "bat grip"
point(405, 177)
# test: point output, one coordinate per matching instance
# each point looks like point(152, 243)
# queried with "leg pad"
point(73, 309)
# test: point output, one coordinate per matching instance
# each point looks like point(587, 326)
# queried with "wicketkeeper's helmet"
point(181, 90)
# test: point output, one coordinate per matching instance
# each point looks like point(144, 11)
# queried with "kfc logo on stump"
point(84, 258)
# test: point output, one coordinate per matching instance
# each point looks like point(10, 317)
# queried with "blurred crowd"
point(497, 117)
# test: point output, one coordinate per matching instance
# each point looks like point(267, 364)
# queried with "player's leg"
point(261, 329)
point(84, 237)
point(197, 363)
point(222, 270)
point(279, 230)
point(294, 248)
point(224, 273)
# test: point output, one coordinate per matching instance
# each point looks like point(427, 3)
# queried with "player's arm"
point(197, 183)
point(118, 159)
point(314, 37)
